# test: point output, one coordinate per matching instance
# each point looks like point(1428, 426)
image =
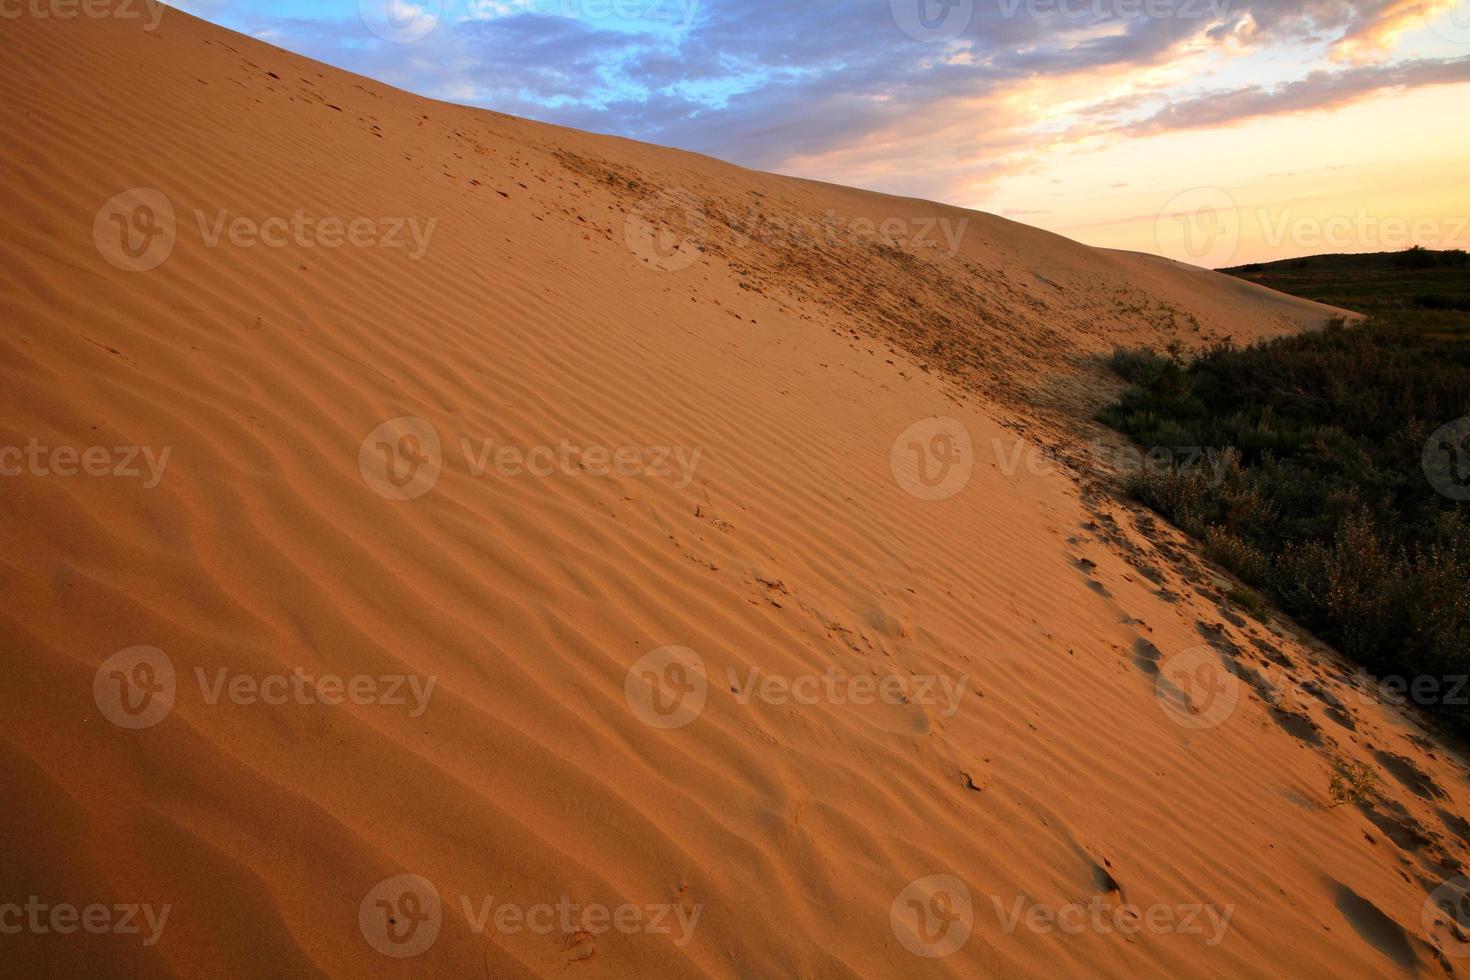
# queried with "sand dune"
point(686, 548)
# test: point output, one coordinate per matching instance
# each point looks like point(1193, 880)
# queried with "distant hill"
point(1371, 281)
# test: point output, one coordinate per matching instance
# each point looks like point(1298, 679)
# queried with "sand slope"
point(794, 539)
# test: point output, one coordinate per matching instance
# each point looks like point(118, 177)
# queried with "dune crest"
point(444, 544)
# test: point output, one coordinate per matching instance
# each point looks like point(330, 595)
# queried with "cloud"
point(834, 89)
point(1320, 90)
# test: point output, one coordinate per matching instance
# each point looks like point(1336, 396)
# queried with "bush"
point(1318, 498)
point(1250, 602)
point(1416, 257)
point(1137, 365)
point(1238, 555)
point(1352, 782)
point(1438, 301)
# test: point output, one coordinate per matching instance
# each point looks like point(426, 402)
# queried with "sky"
point(1217, 132)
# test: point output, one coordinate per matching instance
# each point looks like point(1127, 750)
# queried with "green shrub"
point(1352, 782)
point(1251, 602)
point(1238, 555)
point(1416, 257)
point(1136, 365)
point(1320, 501)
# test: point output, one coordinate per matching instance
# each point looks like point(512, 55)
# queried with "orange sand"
point(795, 539)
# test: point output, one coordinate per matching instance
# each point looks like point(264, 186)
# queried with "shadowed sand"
point(774, 382)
